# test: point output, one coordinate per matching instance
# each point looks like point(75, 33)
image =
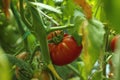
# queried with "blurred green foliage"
point(55, 13)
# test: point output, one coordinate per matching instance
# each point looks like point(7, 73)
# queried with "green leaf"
point(116, 61)
point(75, 78)
point(93, 34)
point(63, 71)
point(31, 42)
point(97, 75)
point(25, 68)
point(112, 11)
point(4, 67)
point(77, 19)
point(66, 71)
point(67, 9)
point(44, 6)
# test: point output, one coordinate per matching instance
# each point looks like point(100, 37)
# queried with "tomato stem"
point(51, 67)
point(106, 48)
point(74, 70)
point(19, 22)
point(42, 37)
point(67, 26)
point(50, 18)
point(41, 34)
point(37, 47)
point(22, 14)
point(21, 25)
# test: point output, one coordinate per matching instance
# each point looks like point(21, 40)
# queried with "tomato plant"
point(60, 39)
point(65, 51)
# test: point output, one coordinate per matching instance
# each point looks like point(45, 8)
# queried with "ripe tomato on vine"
point(64, 51)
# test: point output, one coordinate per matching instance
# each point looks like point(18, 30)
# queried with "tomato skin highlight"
point(64, 52)
point(113, 42)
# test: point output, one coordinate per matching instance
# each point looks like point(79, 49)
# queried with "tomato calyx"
point(56, 37)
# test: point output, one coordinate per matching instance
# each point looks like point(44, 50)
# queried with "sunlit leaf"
point(44, 6)
point(4, 67)
point(67, 9)
point(93, 34)
point(31, 42)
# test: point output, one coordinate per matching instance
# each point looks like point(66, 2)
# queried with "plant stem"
point(50, 18)
point(41, 34)
point(74, 70)
point(37, 47)
point(60, 28)
point(42, 37)
point(51, 67)
point(22, 15)
point(106, 48)
point(16, 15)
point(98, 6)
point(21, 25)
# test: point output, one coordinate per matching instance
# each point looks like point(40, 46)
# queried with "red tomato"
point(113, 42)
point(64, 52)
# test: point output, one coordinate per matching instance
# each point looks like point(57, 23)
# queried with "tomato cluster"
point(64, 52)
